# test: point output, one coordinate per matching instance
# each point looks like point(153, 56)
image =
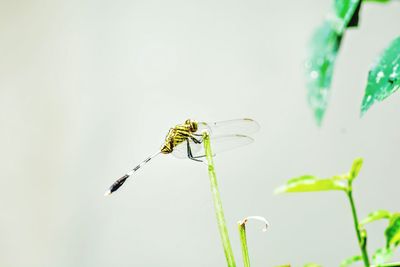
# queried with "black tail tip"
point(116, 185)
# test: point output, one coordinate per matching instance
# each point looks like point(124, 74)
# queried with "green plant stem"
point(223, 231)
point(243, 241)
point(361, 241)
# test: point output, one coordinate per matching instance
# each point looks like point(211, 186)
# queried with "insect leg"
point(189, 152)
point(202, 156)
point(195, 140)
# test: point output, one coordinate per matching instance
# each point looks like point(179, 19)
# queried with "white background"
point(88, 89)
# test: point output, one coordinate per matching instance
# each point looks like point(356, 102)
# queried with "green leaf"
point(319, 66)
point(389, 264)
point(350, 261)
point(376, 215)
point(382, 256)
point(355, 168)
point(392, 232)
point(377, 1)
point(384, 77)
point(308, 183)
point(345, 14)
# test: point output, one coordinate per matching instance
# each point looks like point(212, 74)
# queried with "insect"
point(185, 141)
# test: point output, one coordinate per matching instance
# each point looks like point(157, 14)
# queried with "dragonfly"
point(185, 141)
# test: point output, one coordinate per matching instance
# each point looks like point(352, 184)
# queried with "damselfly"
point(185, 141)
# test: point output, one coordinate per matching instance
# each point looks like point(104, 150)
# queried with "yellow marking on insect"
point(179, 134)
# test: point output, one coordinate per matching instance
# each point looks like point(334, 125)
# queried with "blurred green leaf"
point(325, 44)
point(355, 168)
point(382, 256)
point(389, 264)
point(376, 215)
point(378, 1)
point(345, 14)
point(341, 177)
point(350, 261)
point(384, 77)
point(319, 66)
point(308, 183)
point(392, 232)
point(312, 265)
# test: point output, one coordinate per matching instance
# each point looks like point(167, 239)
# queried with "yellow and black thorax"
point(177, 135)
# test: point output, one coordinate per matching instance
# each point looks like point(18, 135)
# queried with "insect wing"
point(237, 126)
point(219, 144)
point(201, 126)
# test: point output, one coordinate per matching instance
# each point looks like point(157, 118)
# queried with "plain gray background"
point(88, 89)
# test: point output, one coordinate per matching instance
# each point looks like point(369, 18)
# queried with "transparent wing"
point(201, 126)
point(237, 126)
point(219, 144)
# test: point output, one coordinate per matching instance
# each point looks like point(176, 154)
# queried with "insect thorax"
point(178, 135)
